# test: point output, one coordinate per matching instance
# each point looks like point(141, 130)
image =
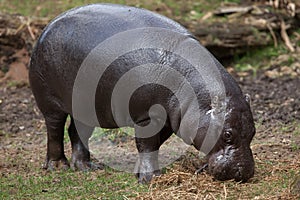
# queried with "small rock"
point(286, 141)
point(14, 129)
point(272, 73)
point(243, 74)
point(285, 70)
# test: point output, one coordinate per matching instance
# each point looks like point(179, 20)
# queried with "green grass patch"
point(98, 133)
point(45, 8)
point(295, 145)
point(107, 184)
point(187, 10)
point(258, 58)
point(112, 134)
point(261, 58)
point(276, 181)
point(296, 132)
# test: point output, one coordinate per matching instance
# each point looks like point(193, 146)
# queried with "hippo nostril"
point(242, 174)
point(238, 175)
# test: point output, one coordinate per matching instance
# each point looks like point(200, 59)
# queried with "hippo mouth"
point(223, 175)
point(237, 173)
point(224, 168)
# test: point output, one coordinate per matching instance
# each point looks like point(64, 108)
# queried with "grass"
point(107, 184)
point(21, 175)
point(272, 179)
point(112, 134)
point(98, 133)
point(262, 56)
point(47, 8)
point(44, 8)
point(295, 145)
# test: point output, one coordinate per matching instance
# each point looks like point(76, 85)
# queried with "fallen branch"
point(247, 28)
point(273, 35)
point(285, 36)
point(230, 10)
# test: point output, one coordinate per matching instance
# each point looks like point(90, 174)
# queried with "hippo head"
point(231, 157)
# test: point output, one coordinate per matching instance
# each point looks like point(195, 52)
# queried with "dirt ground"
point(275, 96)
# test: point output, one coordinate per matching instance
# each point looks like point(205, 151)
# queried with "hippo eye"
point(228, 135)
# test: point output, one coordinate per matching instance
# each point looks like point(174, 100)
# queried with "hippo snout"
point(237, 166)
point(243, 173)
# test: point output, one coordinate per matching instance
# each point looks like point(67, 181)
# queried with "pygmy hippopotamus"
point(91, 60)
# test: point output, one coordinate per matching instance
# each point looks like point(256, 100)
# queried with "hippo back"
point(70, 37)
point(84, 27)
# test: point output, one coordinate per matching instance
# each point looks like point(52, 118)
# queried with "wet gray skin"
point(58, 55)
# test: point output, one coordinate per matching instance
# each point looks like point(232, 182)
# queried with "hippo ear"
point(247, 98)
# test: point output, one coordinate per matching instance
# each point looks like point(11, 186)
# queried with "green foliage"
point(232, 1)
point(258, 58)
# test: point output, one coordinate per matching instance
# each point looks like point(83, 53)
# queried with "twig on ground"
point(285, 36)
point(273, 35)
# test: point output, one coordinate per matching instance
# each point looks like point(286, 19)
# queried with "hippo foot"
point(145, 178)
point(85, 165)
point(52, 165)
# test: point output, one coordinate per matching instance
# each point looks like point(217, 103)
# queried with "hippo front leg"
point(79, 134)
point(147, 165)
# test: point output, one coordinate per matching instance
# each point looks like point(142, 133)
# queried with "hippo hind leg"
point(147, 165)
point(55, 158)
point(79, 134)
